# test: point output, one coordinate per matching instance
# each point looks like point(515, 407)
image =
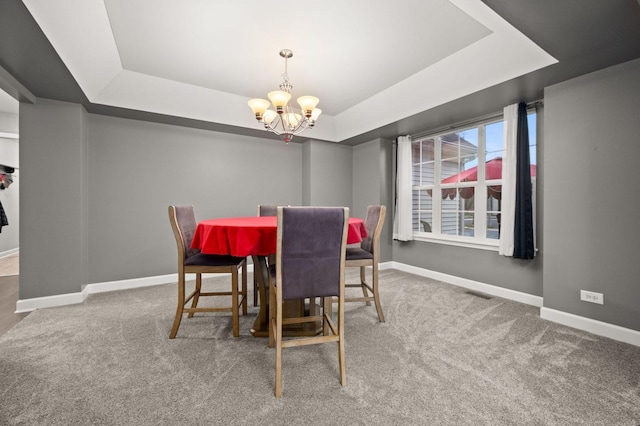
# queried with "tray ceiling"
point(370, 63)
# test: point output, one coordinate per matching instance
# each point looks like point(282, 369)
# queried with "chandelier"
point(285, 121)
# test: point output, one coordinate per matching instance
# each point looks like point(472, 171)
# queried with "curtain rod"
point(530, 106)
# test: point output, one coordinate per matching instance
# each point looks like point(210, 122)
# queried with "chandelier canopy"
point(284, 120)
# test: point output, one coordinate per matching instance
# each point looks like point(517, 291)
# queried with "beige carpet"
point(442, 357)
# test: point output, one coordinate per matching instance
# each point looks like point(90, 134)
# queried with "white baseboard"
point(28, 305)
point(5, 135)
point(128, 284)
point(493, 290)
point(599, 328)
point(9, 252)
point(596, 327)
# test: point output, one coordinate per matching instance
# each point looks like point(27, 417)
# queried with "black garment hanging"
point(5, 176)
point(3, 218)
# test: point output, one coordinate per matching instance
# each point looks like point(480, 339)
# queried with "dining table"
point(256, 236)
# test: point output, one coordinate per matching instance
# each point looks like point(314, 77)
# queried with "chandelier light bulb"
point(307, 104)
point(292, 119)
point(279, 99)
point(268, 116)
point(259, 106)
point(315, 114)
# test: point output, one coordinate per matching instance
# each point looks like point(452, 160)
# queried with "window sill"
point(491, 245)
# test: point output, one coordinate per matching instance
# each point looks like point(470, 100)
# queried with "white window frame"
point(479, 240)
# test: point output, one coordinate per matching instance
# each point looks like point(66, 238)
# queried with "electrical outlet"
point(592, 297)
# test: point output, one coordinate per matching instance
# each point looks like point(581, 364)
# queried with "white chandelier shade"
point(283, 120)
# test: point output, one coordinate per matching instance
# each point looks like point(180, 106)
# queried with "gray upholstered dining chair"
point(263, 210)
point(192, 261)
point(368, 255)
point(310, 262)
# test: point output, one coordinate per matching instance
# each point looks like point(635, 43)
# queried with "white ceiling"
point(370, 62)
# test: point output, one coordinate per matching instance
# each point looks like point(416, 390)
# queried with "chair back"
point(311, 251)
point(373, 223)
point(183, 223)
point(267, 210)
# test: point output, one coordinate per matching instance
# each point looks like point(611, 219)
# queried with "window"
point(457, 182)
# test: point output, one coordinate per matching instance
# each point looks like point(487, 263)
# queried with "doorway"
point(9, 281)
point(9, 214)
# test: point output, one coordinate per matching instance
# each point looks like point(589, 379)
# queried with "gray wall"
point(367, 176)
point(372, 166)
point(478, 265)
point(328, 174)
point(591, 155)
point(98, 188)
point(53, 197)
point(137, 169)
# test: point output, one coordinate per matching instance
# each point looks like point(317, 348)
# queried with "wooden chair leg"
point(179, 309)
point(278, 338)
point(327, 310)
point(234, 303)
point(244, 288)
point(341, 350)
point(376, 295)
point(363, 280)
point(196, 296)
point(272, 316)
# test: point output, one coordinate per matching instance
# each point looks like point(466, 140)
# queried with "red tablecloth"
point(251, 236)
